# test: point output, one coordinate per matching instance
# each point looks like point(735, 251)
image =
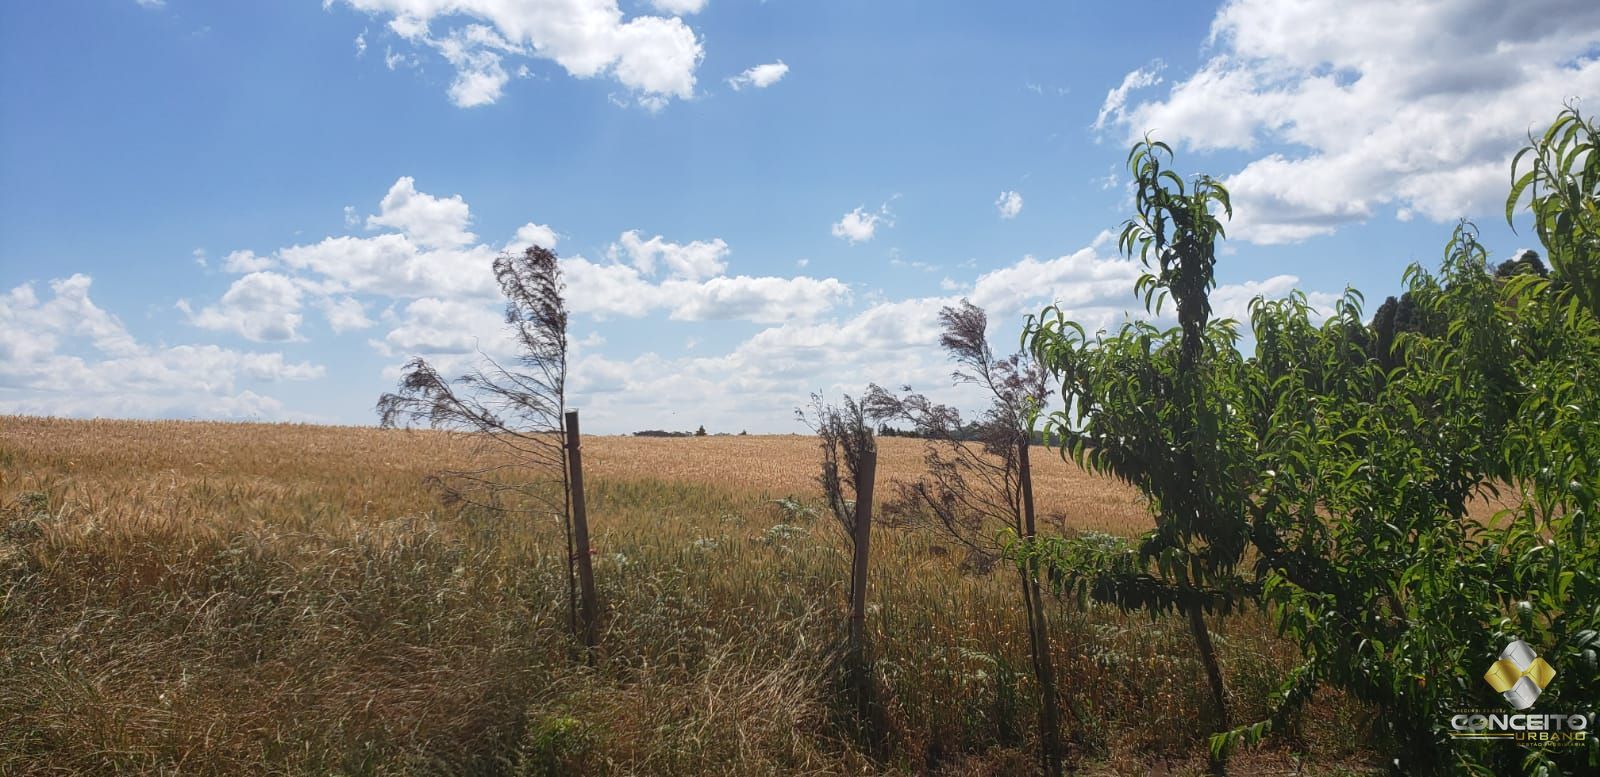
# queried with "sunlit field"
point(200, 598)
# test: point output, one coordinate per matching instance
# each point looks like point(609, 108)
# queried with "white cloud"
point(245, 261)
point(479, 80)
point(1009, 204)
point(1370, 106)
point(607, 290)
point(758, 384)
point(345, 314)
point(654, 57)
point(622, 291)
point(532, 234)
point(679, 7)
point(1078, 278)
point(392, 265)
point(151, 4)
point(431, 265)
point(475, 51)
point(1112, 108)
point(428, 293)
point(261, 306)
point(760, 76)
point(439, 326)
point(33, 328)
point(699, 259)
point(896, 261)
point(761, 300)
point(859, 225)
point(432, 222)
point(68, 356)
point(1232, 300)
point(394, 60)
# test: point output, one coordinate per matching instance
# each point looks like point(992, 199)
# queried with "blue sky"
point(260, 210)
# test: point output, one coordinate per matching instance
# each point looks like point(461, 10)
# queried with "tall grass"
point(227, 599)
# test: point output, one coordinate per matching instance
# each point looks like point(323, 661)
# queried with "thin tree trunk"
point(580, 529)
point(862, 535)
point(1039, 630)
point(1208, 657)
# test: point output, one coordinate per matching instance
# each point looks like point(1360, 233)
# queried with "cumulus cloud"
point(345, 314)
point(859, 225)
point(261, 306)
point(618, 290)
point(442, 326)
point(1078, 278)
point(678, 7)
point(1232, 300)
point(1356, 108)
point(654, 57)
point(758, 383)
point(430, 222)
point(435, 276)
point(476, 52)
point(65, 355)
point(245, 262)
point(34, 328)
point(425, 292)
point(531, 234)
point(392, 265)
point(758, 299)
point(760, 76)
point(1009, 204)
point(698, 259)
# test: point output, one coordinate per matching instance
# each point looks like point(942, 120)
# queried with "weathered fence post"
point(1039, 627)
point(589, 628)
point(862, 535)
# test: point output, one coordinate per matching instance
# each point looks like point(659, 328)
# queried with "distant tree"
point(1525, 263)
point(516, 414)
point(978, 483)
point(701, 432)
point(1397, 316)
point(1383, 332)
point(1413, 317)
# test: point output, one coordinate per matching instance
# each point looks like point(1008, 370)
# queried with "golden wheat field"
point(205, 598)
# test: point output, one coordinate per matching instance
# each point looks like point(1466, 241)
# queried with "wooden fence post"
point(862, 534)
point(1039, 627)
point(589, 629)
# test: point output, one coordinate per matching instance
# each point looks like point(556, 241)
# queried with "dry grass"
point(223, 599)
point(786, 464)
point(346, 464)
